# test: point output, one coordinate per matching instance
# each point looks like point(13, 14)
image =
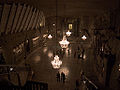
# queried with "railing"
point(30, 85)
point(91, 84)
point(8, 70)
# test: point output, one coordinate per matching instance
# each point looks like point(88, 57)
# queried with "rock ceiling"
point(71, 7)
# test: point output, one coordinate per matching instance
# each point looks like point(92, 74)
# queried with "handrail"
point(90, 82)
point(8, 69)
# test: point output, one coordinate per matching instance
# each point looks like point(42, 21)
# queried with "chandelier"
point(50, 36)
point(56, 63)
point(68, 33)
point(84, 37)
point(64, 43)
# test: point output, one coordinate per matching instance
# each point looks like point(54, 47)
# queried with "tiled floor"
point(41, 59)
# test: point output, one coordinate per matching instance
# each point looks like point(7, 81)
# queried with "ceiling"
point(71, 7)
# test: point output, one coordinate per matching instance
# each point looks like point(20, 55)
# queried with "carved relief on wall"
point(102, 21)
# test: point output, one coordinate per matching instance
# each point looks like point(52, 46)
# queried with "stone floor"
point(40, 62)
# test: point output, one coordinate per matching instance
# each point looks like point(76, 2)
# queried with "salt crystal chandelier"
point(64, 43)
point(84, 37)
point(50, 36)
point(56, 63)
point(68, 33)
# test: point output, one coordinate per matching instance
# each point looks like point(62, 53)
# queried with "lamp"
point(68, 33)
point(56, 63)
point(50, 36)
point(64, 43)
point(84, 37)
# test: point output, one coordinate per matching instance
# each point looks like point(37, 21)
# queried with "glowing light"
point(45, 50)
point(68, 33)
point(50, 36)
point(84, 81)
point(70, 26)
point(119, 69)
point(37, 59)
point(50, 54)
point(35, 38)
point(53, 24)
point(11, 69)
point(84, 56)
point(40, 24)
point(56, 63)
point(45, 35)
point(64, 43)
point(64, 70)
point(84, 37)
point(68, 51)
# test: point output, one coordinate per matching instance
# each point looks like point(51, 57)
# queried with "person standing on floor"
point(63, 77)
point(75, 54)
point(58, 76)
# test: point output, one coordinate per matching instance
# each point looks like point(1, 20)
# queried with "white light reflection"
point(64, 70)
point(11, 69)
point(50, 36)
point(37, 59)
point(68, 51)
point(84, 56)
point(84, 37)
point(45, 49)
point(68, 33)
point(44, 35)
point(50, 54)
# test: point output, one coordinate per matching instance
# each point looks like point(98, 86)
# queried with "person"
point(2, 59)
point(77, 83)
point(83, 51)
point(58, 77)
point(74, 54)
point(63, 77)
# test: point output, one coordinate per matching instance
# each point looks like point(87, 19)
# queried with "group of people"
point(60, 77)
point(79, 54)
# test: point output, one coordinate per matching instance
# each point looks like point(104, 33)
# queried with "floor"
point(40, 62)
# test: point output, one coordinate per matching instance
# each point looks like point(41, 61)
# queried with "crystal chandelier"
point(56, 63)
point(50, 36)
point(84, 37)
point(68, 33)
point(64, 43)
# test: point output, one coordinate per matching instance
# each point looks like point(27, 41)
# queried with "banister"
point(90, 82)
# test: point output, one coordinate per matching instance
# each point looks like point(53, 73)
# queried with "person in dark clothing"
point(78, 55)
point(63, 77)
point(2, 60)
point(77, 83)
point(74, 54)
point(58, 77)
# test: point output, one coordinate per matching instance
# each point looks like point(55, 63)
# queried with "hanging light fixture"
point(64, 43)
point(56, 63)
point(84, 37)
point(50, 36)
point(68, 33)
